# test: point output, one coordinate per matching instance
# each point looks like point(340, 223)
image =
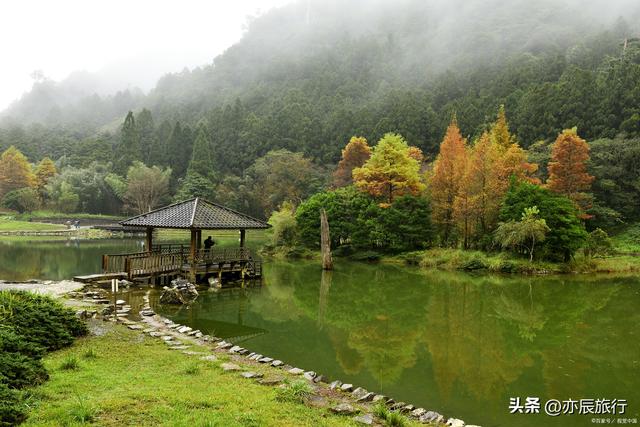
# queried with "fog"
point(114, 44)
point(108, 46)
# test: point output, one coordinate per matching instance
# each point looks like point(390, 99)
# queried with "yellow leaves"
point(15, 171)
point(392, 170)
point(354, 155)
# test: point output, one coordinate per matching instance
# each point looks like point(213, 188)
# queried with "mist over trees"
point(307, 77)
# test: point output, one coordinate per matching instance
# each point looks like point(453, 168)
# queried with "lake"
point(459, 344)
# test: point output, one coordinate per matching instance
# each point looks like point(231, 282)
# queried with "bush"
point(22, 200)
point(296, 391)
point(31, 324)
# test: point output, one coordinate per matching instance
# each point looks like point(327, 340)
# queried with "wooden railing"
point(168, 258)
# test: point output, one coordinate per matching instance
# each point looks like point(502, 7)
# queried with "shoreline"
point(335, 397)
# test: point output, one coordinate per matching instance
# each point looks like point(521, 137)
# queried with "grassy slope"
point(14, 225)
point(136, 380)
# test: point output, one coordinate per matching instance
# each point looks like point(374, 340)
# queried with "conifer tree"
point(568, 169)
point(15, 171)
point(354, 155)
point(446, 176)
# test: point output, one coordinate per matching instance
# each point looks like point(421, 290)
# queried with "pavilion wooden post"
point(242, 237)
point(325, 242)
point(192, 256)
point(199, 245)
point(149, 239)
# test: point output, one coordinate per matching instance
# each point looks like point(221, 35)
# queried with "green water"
point(458, 344)
point(454, 343)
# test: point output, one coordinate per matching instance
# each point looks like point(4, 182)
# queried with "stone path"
point(48, 287)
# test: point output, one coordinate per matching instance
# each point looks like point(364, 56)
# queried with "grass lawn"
point(14, 225)
point(127, 378)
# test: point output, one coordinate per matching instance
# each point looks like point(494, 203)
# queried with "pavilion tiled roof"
point(196, 213)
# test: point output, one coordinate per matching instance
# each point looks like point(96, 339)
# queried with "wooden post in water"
point(325, 242)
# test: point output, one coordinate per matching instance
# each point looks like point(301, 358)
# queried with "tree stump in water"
point(325, 241)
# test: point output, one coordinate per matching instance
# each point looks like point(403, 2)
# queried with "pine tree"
point(354, 155)
point(391, 171)
point(448, 172)
point(15, 171)
point(146, 135)
point(45, 170)
point(129, 147)
point(568, 169)
point(201, 157)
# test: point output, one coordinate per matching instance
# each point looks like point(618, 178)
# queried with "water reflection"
point(451, 342)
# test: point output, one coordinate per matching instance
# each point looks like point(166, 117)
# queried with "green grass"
point(391, 419)
point(294, 391)
point(61, 215)
point(627, 241)
point(136, 380)
point(7, 224)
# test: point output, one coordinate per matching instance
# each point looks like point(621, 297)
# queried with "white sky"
point(135, 41)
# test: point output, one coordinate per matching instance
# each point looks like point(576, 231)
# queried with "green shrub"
point(42, 320)
point(18, 370)
point(12, 408)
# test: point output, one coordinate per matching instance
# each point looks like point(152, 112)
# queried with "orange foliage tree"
point(568, 169)
point(354, 155)
point(446, 177)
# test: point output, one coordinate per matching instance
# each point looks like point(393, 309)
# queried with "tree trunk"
point(325, 241)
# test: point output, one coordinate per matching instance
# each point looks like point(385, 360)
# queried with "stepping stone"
point(309, 375)
point(407, 408)
point(198, 335)
point(256, 356)
point(317, 401)
point(418, 412)
point(229, 367)
point(251, 375)
point(335, 384)
point(243, 351)
point(167, 321)
point(366, 419)
point(184, 329)
point(210, 358)
point(147, 313)
point(224, 345)
point(319, 379)
point(235, 349)
point(155, 334)
point(167, 337)
point(359, 392)
point(120, 302)
point(431, 416)
point(148, 330)
point(193, 353)
point(179, 347)
point(134, 327)
point(192, 333)
point(398, 405)
point(175, 326)
point(366, 398)
point(265, 360)
point(343, 409)
point(454, 422)
point(296, 371)
point(270, 382)
point(277, 363)
point(379, 397)
point(346, 387)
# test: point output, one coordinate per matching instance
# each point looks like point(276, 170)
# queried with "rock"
point(454, 422)
point(343, 409)
point(184, 329)
point(309, 375)
point(198, 334)
point(335, 384)
point(265, 360)
point(121, 302)
point(193, 353)
point(167, 321)
point(277, 363)
point(256, 356)
point(209, 358)
point(147, 313)
point(379, 397)
point(430, 416)
point(319, 379)
point(235, 349)
point(229, 367)
point(346, 387)
point(224, 345)
point(367, 397)
point(180, 292)
point(192, 333)
point(364, 419)
point(316, 401)
point(270, 382)
point(179, 347)
point(398, 405)
point(358, 392)
point(251, 375)
point(390, 402)
point(155, 334)
point(167, 337)
point(175, 326)
point(418, 412)
point(407, 408)
point(81, 314)
point(135, 327)
point(243, 351)
point(296, 371)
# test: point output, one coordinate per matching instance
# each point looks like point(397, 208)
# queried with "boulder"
point(230, 367)
point(296, 371)
point(454, 422)
point(180, 292)
point(346, 387)
point(343, 409)
point(366, 419)
point(251, 374)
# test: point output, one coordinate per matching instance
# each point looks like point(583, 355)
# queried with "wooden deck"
point(166, 262)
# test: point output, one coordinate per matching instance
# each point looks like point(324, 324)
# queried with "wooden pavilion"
point(160, 263)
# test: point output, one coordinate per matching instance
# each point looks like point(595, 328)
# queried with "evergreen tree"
point(129, 147)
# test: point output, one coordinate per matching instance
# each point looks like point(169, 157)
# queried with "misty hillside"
point(308, 76)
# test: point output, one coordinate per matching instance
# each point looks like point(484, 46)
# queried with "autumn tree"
point(446, 176)
point(354, 155)
point(391, 171)
point(45, 170)
point(500, 131)
point(568, 169)
point(147, 187)
point(15, 171)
